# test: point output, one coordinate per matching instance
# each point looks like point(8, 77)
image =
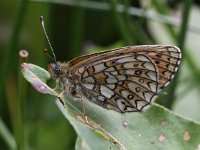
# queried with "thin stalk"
point(13, 107)
point(138, 31)
point(104, 6)
point(13, 41)
point(22, 88)
point(163, 10)
point(76, 35)
point(135, 27)
point(122, 24)
point(7, 136)
point(9, 55)
point(181, 44)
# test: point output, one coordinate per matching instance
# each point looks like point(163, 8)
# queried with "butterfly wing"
point(126, 79)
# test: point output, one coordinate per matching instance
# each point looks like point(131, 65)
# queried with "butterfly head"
point(57, 70)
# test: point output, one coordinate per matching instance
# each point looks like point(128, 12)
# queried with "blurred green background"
point(30, 120)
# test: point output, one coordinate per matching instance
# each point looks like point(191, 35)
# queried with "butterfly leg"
point(60, 97)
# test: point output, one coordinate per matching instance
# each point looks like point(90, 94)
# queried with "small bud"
point(23, 53)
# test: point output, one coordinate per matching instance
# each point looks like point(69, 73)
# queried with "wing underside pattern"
point(128, 82)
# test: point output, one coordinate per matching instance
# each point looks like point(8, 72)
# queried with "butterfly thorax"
point(62, 74)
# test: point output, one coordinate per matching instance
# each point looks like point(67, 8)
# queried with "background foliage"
point(30, 120)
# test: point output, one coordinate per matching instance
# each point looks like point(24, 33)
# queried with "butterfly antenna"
point(43, 27)
point(46, 52)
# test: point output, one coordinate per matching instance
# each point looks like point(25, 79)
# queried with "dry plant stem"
point(84, 112)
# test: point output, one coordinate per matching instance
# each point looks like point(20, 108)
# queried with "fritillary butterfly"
point(125, 79)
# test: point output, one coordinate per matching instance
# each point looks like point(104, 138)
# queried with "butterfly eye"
point(55, 70)
point(58, 71)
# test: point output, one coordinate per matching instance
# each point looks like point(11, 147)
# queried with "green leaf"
point(37, 77)
point(157, 128)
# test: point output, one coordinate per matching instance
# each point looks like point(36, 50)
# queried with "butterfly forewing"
point(126, 79)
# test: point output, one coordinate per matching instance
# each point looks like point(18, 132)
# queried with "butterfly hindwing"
point(127, 83)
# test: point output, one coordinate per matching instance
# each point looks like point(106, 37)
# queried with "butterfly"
point(125, 79)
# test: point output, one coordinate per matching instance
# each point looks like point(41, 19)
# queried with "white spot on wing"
point(166, 84)
point(149, 66)
point(111, 86)
point(120, 82)
point(120, 104)
point(153, 86)
point(121, 77)
point(114, 73)
point(106, 91)
point(174, 54)
point(126, 59)
point(152, 75)
point(125, 93)
point(110, 69)
point(81, 70)
point(132, 86)
point(101, 98)
point(148, 96)
point(111, 79)
point(85, 74)
point(142, 58)
point(141, 104)
point(100, 67)
point(88, 86)
point(89, 80)
point(131, 72)
point(174, 49)
point(129, 65)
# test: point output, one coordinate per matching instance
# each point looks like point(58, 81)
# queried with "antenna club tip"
point(45, 50)
point(41, 19)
